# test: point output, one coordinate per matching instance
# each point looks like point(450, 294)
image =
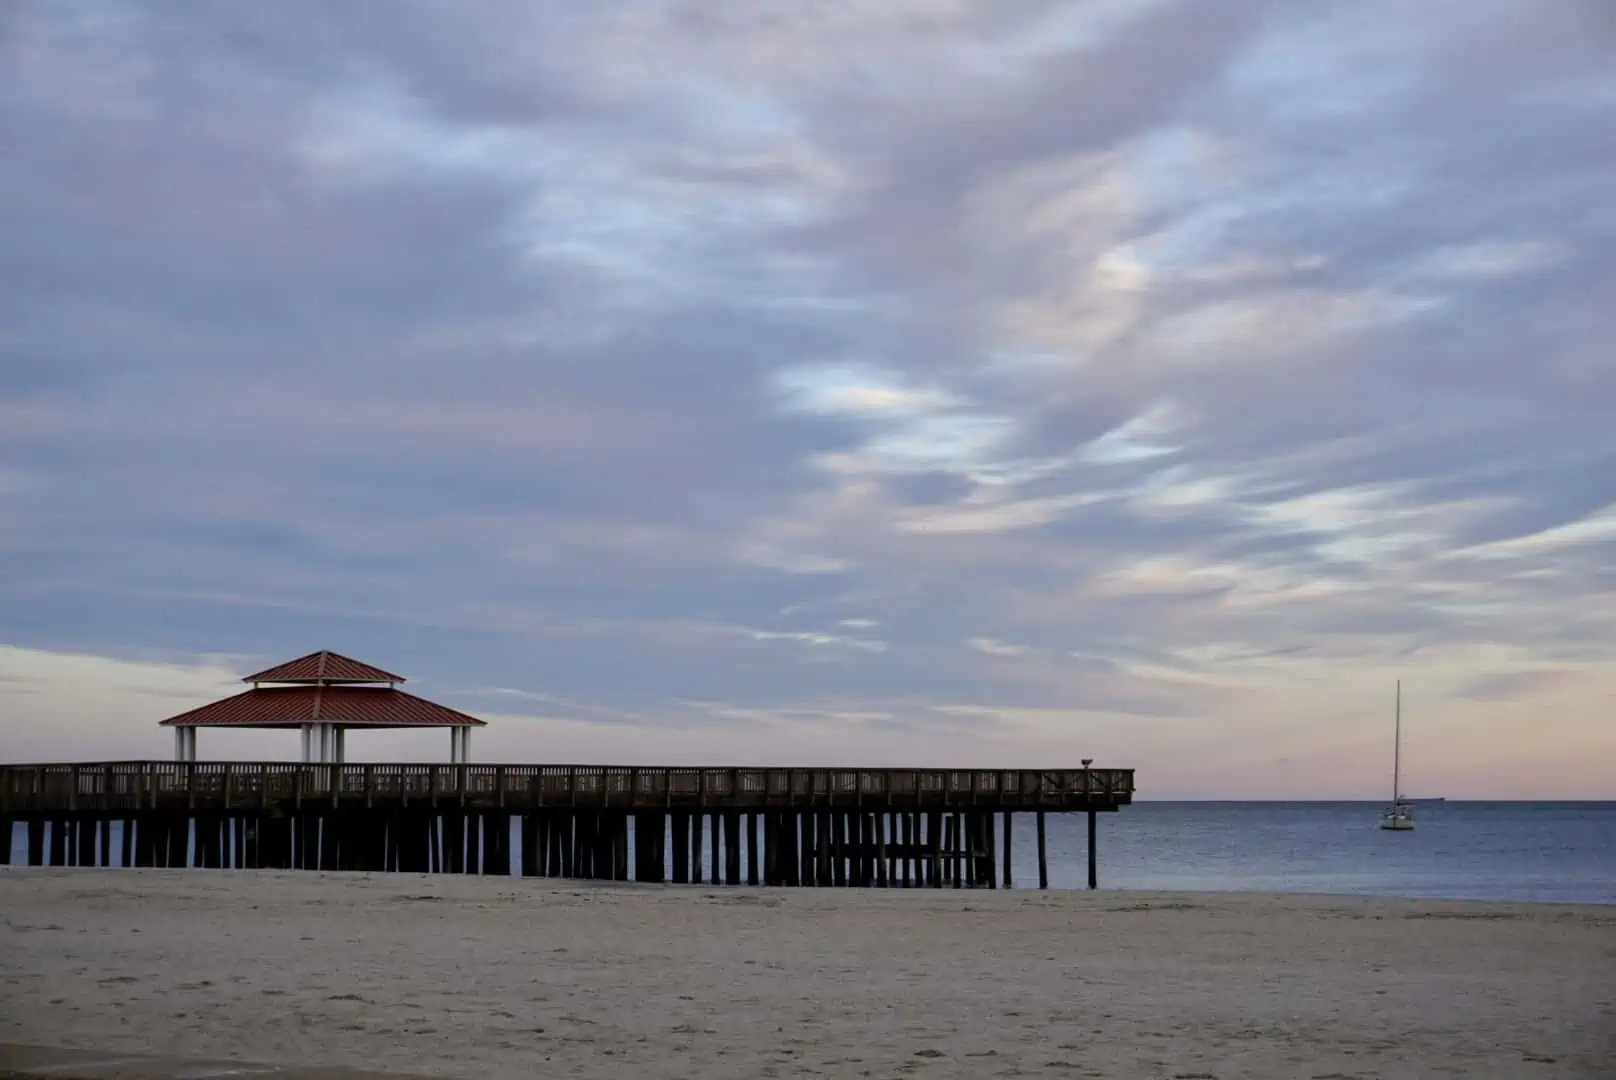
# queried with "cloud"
point(1012, 382)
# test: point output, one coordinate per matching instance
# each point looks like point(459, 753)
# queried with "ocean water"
point(1562, 852)
point(1557, 852)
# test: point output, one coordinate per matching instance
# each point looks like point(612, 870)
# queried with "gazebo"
point(324, 694)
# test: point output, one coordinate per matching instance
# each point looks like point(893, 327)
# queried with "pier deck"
point(794, 826)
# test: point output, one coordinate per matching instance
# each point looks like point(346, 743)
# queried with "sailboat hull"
point(1397, 824)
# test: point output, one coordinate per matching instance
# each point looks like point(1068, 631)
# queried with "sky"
point(921, 382)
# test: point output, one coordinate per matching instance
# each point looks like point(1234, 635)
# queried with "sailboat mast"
point(1397, 748)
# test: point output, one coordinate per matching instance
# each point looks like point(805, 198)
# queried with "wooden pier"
point(771, 826)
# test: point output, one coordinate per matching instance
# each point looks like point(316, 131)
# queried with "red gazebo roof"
point(346, 706)
point(324, 666)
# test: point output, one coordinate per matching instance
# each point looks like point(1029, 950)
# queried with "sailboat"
point(1399, 815)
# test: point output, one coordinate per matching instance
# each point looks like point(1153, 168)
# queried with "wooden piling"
point(330, 828)
point(807, 857)
point(85, 841)
point(824, 849)
point(772, 870)
point(959, 849)
point(1094, 867)
point(1008, 834)
point(474, 843)
point(209, 851)
point(882, 867)
point(698, 867)
point(453, 828)
point(497, 843)
point(732, 847)
point(989, 872)
point(179, 841)
point(532, 861)
point(556, 830)
point(680, 822)
point(1043, 856)
point(934, 842)
point(753, 875)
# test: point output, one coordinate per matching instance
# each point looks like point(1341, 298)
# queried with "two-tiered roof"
point(323, 694)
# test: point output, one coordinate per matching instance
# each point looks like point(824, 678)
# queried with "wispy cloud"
point(1144, 380)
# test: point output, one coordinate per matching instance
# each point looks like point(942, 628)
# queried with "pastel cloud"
point(1140, 381)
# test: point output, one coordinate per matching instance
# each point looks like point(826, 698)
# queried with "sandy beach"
point(468, 977)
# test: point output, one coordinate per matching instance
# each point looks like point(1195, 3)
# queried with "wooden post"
point(179, 839)
point(752, 863)
point(331, 828)
point(387, 830)
point(308, 841)
point(716, 827)
point(1043, 855)
point(657, 837)
point(532, 862)
point(732, 847)
point(275, 840)
point(583, 851)
point(935, 822)
point(642, 850)
point(809, 857)
point(681, 847)
point(959, 849)
point(497, 843)
point(1008, 833)
point(208, 853)
point(771, 849)
point(414, 846)
point(474, 840)
point(1094, 873)
point(840, 864)
point(988, 867)
point(58, 843)
point(866, 850)
point(145, 846)
point(126, 843)
point(883, 876)
point(555, 828)
point(824, 840)
point(901, 827)
point(454, 843)
point(697, 868)
point(790, 848)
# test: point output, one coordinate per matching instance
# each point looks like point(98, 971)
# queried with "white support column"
point(179, 744)
point(454, 746)
point(190, 744)
point(307, 733)
point(465, 746)
point(339, 745)
point(323, 733)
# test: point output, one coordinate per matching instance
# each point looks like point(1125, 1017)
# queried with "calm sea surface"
point(1458, 850)
point(1562, 852)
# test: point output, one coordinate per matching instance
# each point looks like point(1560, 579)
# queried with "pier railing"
point(229, 785)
